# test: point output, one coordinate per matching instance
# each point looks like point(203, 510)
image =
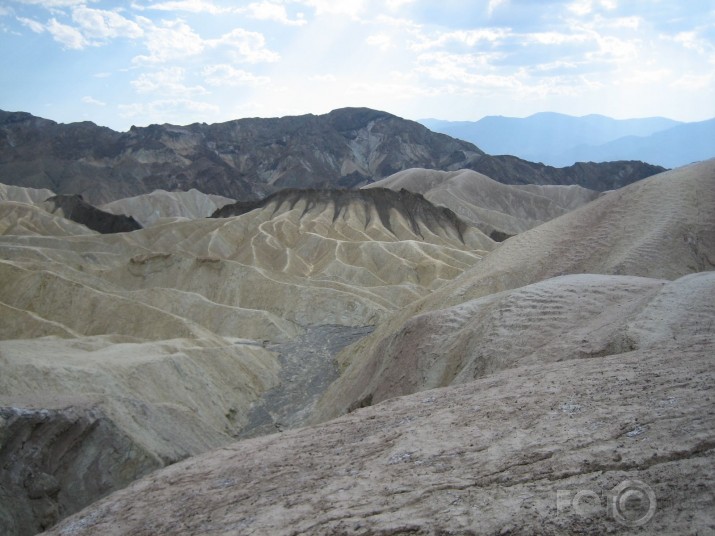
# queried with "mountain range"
point(561, 140)
point(248, 159)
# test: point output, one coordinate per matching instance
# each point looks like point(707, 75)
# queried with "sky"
point(120, 64)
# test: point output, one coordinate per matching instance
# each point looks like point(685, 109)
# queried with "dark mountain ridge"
point(413, 207)
point(247, 159)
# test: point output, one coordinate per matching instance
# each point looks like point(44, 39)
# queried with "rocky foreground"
point(506, 454)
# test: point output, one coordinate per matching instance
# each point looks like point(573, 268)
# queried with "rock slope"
point(73, 207)
point(246, 158)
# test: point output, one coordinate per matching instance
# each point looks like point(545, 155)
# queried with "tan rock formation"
point(150, 208)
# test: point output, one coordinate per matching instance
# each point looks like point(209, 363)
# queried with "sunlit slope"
point(660, 228)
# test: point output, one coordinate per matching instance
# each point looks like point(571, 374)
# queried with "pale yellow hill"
point(19, 218)
point(486, 203)
point(19, 194)
point(147, 209)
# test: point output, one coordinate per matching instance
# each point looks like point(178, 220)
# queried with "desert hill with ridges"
point(571, 356)
point(507, 451)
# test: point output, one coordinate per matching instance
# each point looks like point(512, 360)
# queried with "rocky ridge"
point(248, 159)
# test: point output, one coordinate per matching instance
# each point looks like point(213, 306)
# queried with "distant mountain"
point(562, 140)
point(674, 147)
point(247, 159)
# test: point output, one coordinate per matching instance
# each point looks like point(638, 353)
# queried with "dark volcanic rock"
point(411, 206)
point(75, 208)
point(247, 159)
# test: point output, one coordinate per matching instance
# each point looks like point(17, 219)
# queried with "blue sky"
point(182, 61)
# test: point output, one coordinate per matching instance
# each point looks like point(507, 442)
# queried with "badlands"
point(372, 361)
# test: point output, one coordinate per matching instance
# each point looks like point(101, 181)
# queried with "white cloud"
point(67, 35)
point(614, 50)
point(176, 40)
point(394, 5)
point(168, 82)
point(693, 82)
point(94, 27)
point(554, 38)
point(351, 8)
point(32, 24)
point(183, 110)
point(246, 46)
point(586, 7)
point(170, 40)
point(323, 78)
point(691, 40)
point(381, 41)
point(462, 68)
point(465, 37)
point(192, 6)
point(494, 5)
point(272, 12)
point(227, 75)
point(93, 101)
point(101, 24)
point(53, 3)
